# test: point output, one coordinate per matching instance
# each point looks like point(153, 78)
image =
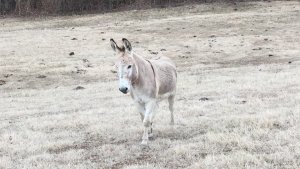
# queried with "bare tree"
point(23, 4)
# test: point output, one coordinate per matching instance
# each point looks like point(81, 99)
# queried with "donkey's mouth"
point(124, 90)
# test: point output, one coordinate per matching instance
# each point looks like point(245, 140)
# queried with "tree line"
point(32, 7)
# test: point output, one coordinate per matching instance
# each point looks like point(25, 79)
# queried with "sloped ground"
point(238, 89)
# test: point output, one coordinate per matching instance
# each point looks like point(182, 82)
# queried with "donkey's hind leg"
point(171, 108)
point(150, 132)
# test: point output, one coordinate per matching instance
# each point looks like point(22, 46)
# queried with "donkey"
point(147, 81)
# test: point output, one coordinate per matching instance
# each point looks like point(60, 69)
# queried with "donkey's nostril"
point(123, 90)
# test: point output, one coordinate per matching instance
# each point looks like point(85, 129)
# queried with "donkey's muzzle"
point(124, 90)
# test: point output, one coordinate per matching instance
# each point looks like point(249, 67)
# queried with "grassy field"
point(238, 101)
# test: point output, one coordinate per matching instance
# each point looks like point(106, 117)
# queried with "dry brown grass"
point(245, 62)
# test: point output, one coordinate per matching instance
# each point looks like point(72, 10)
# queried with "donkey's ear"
point(113, 45)
point(127, 44)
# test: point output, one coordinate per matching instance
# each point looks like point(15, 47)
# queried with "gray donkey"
point(148, 81)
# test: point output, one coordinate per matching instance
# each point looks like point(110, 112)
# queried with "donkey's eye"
point(129, 66)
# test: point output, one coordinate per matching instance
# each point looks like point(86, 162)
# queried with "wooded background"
point(32, 7)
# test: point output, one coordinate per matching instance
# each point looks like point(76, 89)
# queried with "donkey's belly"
point(161, 97)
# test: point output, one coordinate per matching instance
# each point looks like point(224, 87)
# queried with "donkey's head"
point(125, 65)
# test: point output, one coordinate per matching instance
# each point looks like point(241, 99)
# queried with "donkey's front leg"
point(141, 110)
point(148, 119)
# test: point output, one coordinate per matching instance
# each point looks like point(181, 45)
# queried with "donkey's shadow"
point(177, 132)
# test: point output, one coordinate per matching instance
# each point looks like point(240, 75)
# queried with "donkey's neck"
point(140, 65)
point(139, 61)
point(145, 79)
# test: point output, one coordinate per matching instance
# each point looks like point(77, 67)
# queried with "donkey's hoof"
point(150, 135)
point(144, 143)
